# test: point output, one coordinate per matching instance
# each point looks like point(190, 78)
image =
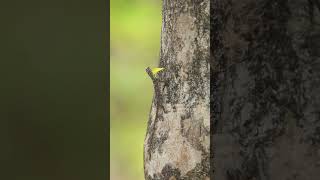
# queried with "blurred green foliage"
point(135, 27)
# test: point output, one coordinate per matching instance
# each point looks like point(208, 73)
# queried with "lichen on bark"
point(177, 138)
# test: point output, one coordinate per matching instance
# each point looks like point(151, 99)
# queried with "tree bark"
point(265, 89)
point(178, 133)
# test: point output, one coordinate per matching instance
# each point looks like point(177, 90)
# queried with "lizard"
point(158, 100)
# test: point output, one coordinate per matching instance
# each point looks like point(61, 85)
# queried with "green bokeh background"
point(135, 27)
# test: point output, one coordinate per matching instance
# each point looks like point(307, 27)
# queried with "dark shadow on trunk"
point(265, 81)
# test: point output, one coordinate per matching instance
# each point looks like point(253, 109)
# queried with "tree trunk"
point(265, 89)
point(178, 133)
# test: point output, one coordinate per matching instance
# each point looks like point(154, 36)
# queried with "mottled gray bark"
point(177, 139)
point(265, 89)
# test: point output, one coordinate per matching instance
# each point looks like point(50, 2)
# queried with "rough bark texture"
point(178, 133)
point(265, 89)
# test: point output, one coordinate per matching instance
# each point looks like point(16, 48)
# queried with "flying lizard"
point(158, 97)
point(153, 73)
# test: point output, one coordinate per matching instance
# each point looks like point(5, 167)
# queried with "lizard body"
point(158, 101)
